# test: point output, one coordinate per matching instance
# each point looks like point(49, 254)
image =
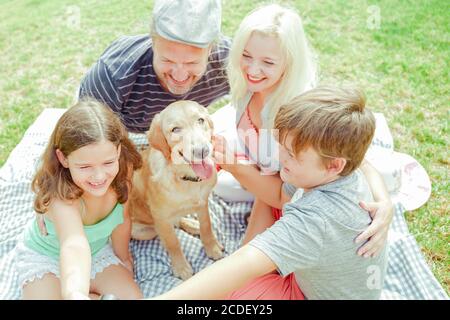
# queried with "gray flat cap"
point(194, 22)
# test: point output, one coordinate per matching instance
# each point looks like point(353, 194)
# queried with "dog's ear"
point(156, 138)
point(210, 123)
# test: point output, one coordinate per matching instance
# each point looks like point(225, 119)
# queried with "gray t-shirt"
point(315, 239)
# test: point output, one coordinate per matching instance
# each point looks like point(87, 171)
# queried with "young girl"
point(270, 63)
point(81, 188)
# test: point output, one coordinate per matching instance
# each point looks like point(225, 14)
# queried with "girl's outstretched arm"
point(121, 239)
point(75, 252)
point(221, 278)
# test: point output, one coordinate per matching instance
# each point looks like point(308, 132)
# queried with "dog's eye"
point(201, 120)
point(176, 130)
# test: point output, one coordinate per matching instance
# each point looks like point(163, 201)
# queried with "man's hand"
point(381, 213)
point(41, 224)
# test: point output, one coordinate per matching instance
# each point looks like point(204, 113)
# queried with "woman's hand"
point(381, 213)
point(224, 157)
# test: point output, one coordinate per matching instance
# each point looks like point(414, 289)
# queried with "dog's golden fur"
point(166, 189)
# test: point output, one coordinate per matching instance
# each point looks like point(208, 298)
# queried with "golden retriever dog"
point(176, 178)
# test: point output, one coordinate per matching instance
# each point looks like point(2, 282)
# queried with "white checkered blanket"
point(408, 275)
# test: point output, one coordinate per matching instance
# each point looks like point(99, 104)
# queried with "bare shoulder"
point(65, 208)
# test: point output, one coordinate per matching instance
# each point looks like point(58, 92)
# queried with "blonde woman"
point(270, 63)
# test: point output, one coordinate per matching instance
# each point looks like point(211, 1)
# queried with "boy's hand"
point(222, 154)
point(381, 213)
point(41, 224)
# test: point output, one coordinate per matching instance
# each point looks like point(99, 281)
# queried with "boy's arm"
point(294, 242)
point(120, 239)
point(75, 252)
point(221, 278)
point(381, 212)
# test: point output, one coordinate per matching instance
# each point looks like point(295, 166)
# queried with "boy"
point(324, 135)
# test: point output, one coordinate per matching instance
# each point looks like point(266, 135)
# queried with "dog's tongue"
point(204, 169)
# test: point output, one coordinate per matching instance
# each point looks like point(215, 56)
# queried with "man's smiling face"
point(178, 66)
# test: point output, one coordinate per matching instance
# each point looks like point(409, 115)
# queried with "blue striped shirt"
point(125, 80)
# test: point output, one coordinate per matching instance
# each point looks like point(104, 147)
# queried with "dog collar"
point(193, 179)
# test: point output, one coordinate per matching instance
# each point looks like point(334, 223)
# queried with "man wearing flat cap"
point(183, 59)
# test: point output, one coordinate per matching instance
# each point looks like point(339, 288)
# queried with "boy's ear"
point(61, 158)
point(336, 165)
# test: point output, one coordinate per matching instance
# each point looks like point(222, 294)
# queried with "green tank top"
point(97, 234)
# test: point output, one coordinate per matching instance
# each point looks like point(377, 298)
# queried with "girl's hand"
point(128, 264)
point(224, 157)
point(127, 261)
point(381, 213)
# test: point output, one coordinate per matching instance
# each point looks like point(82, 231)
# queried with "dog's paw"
point(214, 250)
point(182, 270)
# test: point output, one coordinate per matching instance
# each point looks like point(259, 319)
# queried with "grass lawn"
point(401, 60)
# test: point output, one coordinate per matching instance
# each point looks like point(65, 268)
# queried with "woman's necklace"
point(254, 111)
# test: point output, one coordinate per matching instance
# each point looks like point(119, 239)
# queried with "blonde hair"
point(333, 121)
point(87, 122)
point(300, 70)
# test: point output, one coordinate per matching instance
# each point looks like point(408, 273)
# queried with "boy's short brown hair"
point(333, 121)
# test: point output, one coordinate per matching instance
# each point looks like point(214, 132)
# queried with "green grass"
point(403, 66)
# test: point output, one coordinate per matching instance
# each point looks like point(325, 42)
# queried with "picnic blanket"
point(408, 275)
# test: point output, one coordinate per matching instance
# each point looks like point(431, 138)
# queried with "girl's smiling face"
point(262, 63)
point(93, 167)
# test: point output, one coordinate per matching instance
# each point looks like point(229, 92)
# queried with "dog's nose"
point(201, 152)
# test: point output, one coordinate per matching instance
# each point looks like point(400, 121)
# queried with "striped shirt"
point(124, 79)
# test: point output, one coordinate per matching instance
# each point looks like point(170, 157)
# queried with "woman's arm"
point(261, 218)
point(376, 182)
point(121, 239)
point(221, 278)
point(266, 187)
point(381, 211)
point(75, 252)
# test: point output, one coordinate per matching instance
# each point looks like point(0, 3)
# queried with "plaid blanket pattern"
point(408, 275)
